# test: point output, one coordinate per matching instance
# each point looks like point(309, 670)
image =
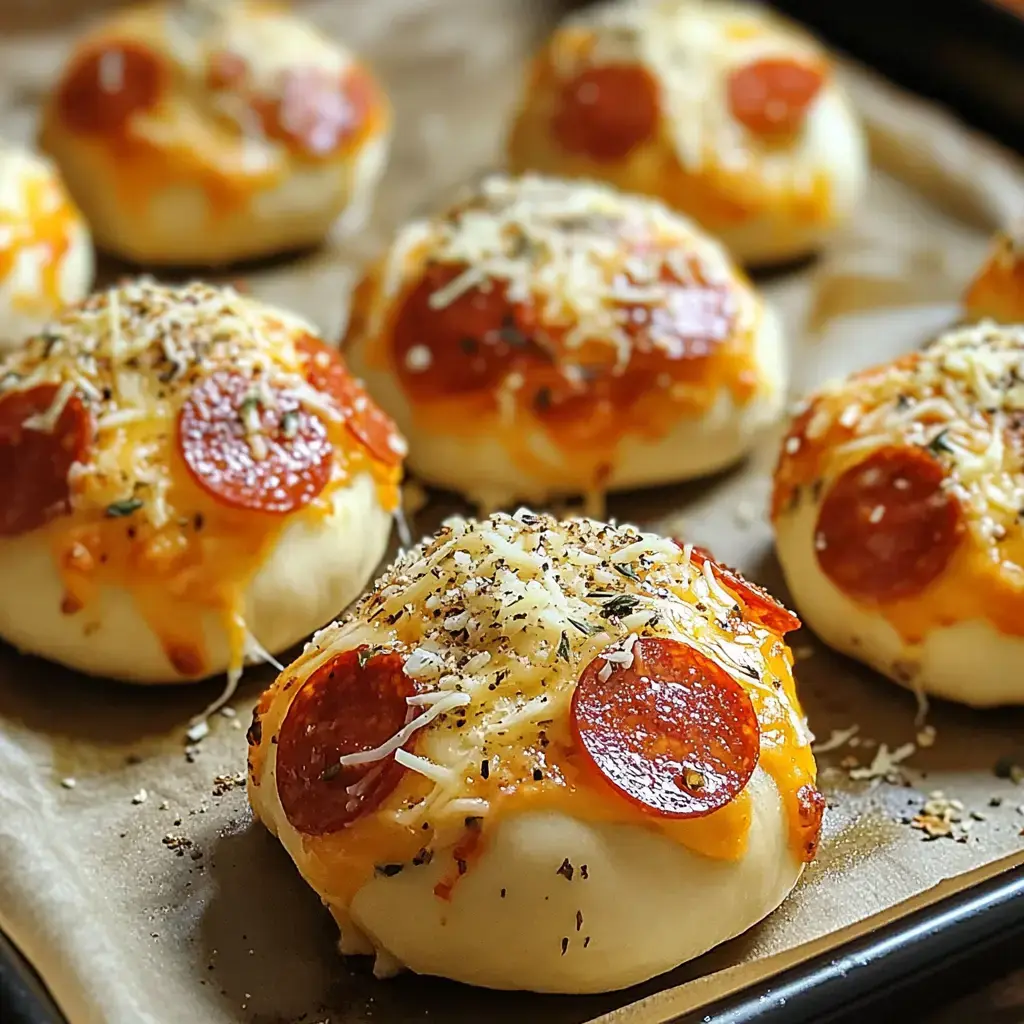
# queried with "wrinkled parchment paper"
point(131, 874)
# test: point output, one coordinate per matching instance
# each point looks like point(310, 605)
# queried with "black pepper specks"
point(565, 869)
point(565, 944)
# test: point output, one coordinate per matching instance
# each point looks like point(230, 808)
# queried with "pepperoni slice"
point(106, 88)
point(810, 810)
point(674, 732)
point(267, 456)
point(466, 345)
point(606, 112)
point(34, 464)
point(366, 421)
point(772, 96)
point(354, 702)
point(316, 111)
point(757, 602)
point(887, 527)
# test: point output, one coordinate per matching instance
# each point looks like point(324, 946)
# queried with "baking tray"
point(885, 951)
point(891, 973)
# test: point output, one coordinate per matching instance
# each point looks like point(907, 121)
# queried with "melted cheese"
point(38, 223)
point(690, 47)
point(132, 355)
point(582, 258)
point(700, 159)
point(497, 619)
point(210, 135)
point(963, 398)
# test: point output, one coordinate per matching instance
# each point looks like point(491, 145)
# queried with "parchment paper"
point(136, 882)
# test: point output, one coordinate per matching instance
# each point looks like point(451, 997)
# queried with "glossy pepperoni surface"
point(757, 602)
point(354, 702)
point(251, 453)
point(365, 420)
point(604, 113)
point(474, 342)
point(673, 732)
point(772, 96)
point(106, 88)
point(887, 527)
point(34, 464)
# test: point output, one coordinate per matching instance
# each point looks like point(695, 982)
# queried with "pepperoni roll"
point(545, 337)
point(898, 516)
point(550, 755)
point(46, 258)
point(718, 109)
point(190, 478)
point(997, 290)
point(207, 133)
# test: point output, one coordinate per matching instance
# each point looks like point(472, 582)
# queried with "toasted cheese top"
point(567, 305)
point(227, 94)
point(949, 421)
point(494, 622)
point(162, 437)
point(690, 48)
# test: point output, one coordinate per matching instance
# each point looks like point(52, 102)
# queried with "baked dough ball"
point(997, 291)
point(555, 756)
point(723, 111)
point(546, 337)
point(46, 256)
point(897, 512)
point(189, 478)
point(206, 133)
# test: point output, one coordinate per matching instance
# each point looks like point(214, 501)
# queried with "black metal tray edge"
point(971, 934)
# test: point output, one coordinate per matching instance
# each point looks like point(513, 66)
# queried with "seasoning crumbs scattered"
point(69, 782)
point(141, 797)
point(225, 783)
point(941, 818)
point(179, 844)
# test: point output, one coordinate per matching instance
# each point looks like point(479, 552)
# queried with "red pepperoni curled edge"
point(266, 456)
point(365, 420)
point(772, 96)
point(606, 112)
point(674, 732)
point(757, 602)
point(105, 88)
point(354, 702)
point(34, 464)
point(887, 527)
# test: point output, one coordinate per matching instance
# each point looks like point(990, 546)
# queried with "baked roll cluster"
point(559, 756)
point(190, 478)
point(203, 133)
point(46, 256)
point(544, 337)
point(897, 514)
point(719, 109)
